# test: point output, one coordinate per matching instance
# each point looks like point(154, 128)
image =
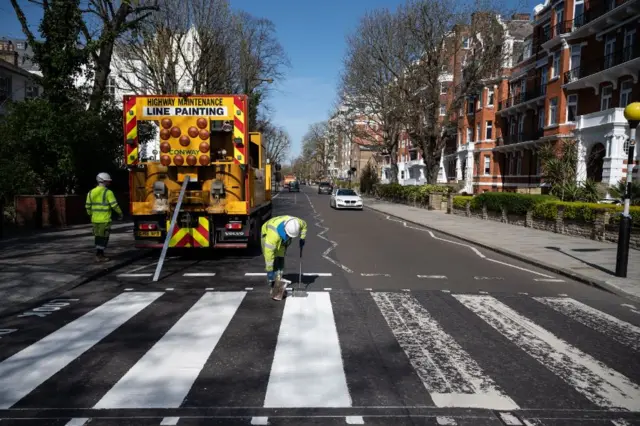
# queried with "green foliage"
point(619, 189)
point(514, 203)
point(460, 201)
point(410, 193)
point(368, 179)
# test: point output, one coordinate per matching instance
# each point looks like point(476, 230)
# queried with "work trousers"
point(101, 233)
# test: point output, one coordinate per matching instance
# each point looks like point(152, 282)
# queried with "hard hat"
point(292, 228)
point(103, 177)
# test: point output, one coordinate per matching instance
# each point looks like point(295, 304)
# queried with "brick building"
point(574, 69)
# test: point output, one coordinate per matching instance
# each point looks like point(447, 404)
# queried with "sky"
point(312, 34)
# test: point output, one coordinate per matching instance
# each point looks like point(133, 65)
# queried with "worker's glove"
point(271, 275)
point(301, 243)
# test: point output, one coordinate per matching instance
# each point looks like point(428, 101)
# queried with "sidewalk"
point(34, 264)
point(585, 260)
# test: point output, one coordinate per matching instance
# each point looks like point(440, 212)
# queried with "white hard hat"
point(103, 177)
point(292, 228)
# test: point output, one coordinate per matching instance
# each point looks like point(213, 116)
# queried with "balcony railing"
point(522, 137)
point(595, 10)
point(540, 90)
point(602, 63)
point(563, 27)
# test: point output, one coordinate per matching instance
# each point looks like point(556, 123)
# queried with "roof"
point(15, 69)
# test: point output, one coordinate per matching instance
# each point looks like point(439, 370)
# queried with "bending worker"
point(100, 202)
point(277, 235)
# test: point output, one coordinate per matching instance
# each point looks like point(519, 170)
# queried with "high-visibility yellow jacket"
point(274, 239)
point(100, 202)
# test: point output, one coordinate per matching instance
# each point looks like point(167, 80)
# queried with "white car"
point(343, 198)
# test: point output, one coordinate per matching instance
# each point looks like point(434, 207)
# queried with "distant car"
point(294, 186)
point(346, 199)
point(325, 188)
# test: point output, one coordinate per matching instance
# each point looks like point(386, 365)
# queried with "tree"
point(318, 148)
point(436, 33)
point(372, 67)
point(277, 142)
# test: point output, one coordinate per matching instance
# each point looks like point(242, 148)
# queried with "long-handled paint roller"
point(298, 292)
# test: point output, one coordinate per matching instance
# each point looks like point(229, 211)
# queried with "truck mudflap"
point(197, 236)
point(150, 232)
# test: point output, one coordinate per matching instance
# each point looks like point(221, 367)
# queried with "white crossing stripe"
point(446, 421)
point(170, 421)
point(510, 420)
point(435, 277)
point(260, 420)
point(199, 274)
point(134, 275)
point(354, 420)
point(307, 369)
point(164, 375)
point(255, 274)
point(29, 368)
point(602, 385)
point(450, 375)
point(610, 326)
point(549, 280)
point(78, 421)
point(317, 274)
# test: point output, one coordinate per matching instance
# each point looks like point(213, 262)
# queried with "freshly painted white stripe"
point(510, 420)
point(435, 277)
point(170, 421)
point(134, 275)
point(169, 289)
point(549, 280)
point(317, 274)
point(29, 368)
point(327, 289)
point(259, 420)
point(128, 289)
point(488, 278)
point(446, 291)
point(200, 274)
point(307, 369)
point(78, 421)
point(255, 274)
point(524, 294)
point(483, 292)
point(446, 421)
point(163, 376)
point(520, 268)
point(368, 289)
point(602, 385)
point(610, 326)
point(374, 275)
point(354, 420)
point(248, 288)
point(563, 295)
point(450, 375)
point(209, 289)
point(532, 422)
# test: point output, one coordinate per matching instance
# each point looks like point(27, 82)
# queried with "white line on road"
point(260, 420)
point(255, 274)
point(316, 379)
point(608, 325)
point(354, 420)
point(209, 289)
point(446, 291)
point(488, 278)
point(549, 280)
point(510, 420)
point(134, 275)
point(170, 421)
point(248, 288)
point(327, 289)
point(78, 421)
point(199, 274)
point(626, 305)
point(374, 275)
point(23, 372)
point(169, 289)
point(163, 377)
point(368, 289)
point(435, 277)
point(475, 250)
point(602, 385)
point(446, 421)
point(450, 375)
point(317, 274)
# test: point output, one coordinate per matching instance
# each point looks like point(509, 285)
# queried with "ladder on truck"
point(170, 230)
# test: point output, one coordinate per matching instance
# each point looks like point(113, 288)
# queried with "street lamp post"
point(632, 114)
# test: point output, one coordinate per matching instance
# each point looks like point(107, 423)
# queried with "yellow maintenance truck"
point(211, 185)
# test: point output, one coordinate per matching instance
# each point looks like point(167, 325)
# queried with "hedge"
point(410, 193)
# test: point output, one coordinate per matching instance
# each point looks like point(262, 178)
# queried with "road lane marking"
point(134, 275)
point(21, 373)
point(435, 277)
point(259, 420)
point(488, 278)
point(170, 421)
point(307, 368)
point(255, 274)
point(163, 377)
point(549, 280)
point(374, 275)
point(450, 375)
point(608, 325)
point(446, 421)
point(600, 384)
point(510, 420)
point(327, 289)
point(317, 274)
point(78, 421)
point(354, 420)
point(199, 274)
point(472, 248)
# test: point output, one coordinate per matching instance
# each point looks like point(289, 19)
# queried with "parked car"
point(294, 186)
point(344, 198)
point(325, 188)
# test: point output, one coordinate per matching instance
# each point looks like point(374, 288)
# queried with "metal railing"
point(536, 92)
point(602, 63)
point(522, 137)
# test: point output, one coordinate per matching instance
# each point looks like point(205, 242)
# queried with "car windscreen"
point(346, 192)
point(325, 184)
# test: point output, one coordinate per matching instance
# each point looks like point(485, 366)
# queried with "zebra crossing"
point(353, 356)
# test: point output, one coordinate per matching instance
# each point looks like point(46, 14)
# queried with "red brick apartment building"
point(572, 70)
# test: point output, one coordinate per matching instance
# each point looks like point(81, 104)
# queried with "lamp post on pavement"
point(632, 114)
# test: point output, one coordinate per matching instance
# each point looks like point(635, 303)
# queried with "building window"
point(465, 43)
point(559, 19)
point(443, 88)
point(546, 31)
point(543, 80)
point(578, 13)
point(519, 163)
point(605, 99)
point(527, 50)
point(443, 109)
point(555, 70)
point(111, 86)
point(478, 132)
point(31, 92)
point(470, 102)
point(490, 96)
point(572, 108)
point(609, 49)
point(629, 42)
point(469, 135)
point(19, 45)
point(576, 52)
point(489, 130)
point(487, 165)
point(541, 119)
point(553, 111)
point(626, 89)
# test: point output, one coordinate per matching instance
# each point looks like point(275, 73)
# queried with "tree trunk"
point(102, 67)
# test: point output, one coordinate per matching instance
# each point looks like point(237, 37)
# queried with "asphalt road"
point(398, 326)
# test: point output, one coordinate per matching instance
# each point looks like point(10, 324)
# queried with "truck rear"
point(204, 140)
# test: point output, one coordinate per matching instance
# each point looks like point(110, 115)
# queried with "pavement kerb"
point(129, 257)
point(602, 285)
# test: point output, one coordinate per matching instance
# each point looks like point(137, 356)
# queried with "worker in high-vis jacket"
point(277, 235)
point(100, 203)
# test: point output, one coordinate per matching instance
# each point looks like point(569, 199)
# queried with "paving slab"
point(588, 261)
point(36, 264)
